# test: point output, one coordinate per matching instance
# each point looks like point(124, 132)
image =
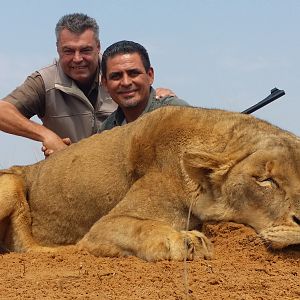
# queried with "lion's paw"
point(190, 245)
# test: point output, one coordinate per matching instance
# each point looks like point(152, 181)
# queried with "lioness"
point(128, 191)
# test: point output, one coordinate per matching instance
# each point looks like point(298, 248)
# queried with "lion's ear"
point(201, 159)
point(202, 166)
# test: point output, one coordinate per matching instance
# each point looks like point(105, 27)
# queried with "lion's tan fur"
point(128, 191)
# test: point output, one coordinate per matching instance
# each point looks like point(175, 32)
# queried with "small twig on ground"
point(106, 274)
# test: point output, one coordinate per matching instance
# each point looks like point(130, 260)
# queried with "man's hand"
point(162, 92)
point(55, 144)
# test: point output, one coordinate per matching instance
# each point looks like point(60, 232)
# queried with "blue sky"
point(220, 54)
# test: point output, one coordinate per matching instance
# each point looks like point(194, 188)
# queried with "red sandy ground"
point(242, 269)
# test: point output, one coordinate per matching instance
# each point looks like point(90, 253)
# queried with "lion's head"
point(259, 187)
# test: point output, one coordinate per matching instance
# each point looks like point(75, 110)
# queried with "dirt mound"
point(243, 268)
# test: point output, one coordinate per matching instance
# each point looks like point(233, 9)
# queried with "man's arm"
point(13, 122)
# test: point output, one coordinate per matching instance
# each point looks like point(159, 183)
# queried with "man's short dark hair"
point(77, 23)
point(124, 47)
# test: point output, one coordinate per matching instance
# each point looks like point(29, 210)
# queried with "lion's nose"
point(296, 220)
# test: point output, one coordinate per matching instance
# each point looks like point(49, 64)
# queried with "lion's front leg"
point(148, 239)
point(148, 223)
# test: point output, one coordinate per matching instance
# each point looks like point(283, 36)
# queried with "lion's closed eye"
point(268, 182)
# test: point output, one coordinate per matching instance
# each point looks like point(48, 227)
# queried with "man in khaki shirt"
point(67, 96)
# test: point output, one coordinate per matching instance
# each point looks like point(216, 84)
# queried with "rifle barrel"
point(275, 94)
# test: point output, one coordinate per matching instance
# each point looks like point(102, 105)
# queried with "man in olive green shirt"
point(127, 76)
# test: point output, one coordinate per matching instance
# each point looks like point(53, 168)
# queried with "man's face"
point(127, 81)
point(79, 55)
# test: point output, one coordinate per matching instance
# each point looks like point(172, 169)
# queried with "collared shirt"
point(29, 98)
point(56, 99)
point(117, 118)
